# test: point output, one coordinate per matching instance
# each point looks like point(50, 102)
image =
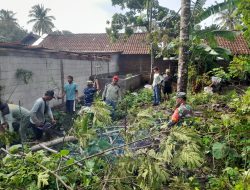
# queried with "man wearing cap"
point(156, 86)
point(89, 92)
point(112, 93)
point(38, 111)
point(182, 110)
point(71, 92)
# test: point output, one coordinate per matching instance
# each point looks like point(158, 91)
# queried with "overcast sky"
point(78, 16)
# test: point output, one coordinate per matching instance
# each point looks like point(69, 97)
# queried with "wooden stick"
point(53, 142)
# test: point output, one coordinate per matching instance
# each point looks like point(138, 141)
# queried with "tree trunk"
point(53, 142)
point(183, 50)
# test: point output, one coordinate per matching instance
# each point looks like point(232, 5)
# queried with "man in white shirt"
point(156, 86)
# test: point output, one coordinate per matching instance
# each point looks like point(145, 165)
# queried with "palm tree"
point(43, 22)
point(228, 19)
point(7, 16)
point(183, 49)
point(190, 19)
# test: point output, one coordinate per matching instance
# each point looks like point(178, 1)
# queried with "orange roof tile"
point(238, 46)
point(135, 44)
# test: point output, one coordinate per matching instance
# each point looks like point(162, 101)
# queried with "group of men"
point(164, 83)
point(111, 95)
point(161, 83)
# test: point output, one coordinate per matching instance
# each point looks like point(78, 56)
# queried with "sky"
point(79, 16)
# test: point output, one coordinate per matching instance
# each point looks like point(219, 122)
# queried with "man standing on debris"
point(167, 84)
point(71, 92)
point(89, 92)
point(156, 86)
point(37, 114)
point(112, 93)
point(182, 110)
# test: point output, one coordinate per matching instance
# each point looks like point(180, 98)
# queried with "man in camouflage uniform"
point(182, 110)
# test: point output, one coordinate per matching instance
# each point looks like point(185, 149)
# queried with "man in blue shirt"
point(71, 92)
point(90, 91)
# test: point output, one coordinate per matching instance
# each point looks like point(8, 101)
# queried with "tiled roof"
point(238, 46)
point(135, 44)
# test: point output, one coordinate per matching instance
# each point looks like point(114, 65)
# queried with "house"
point(238, 46)
point(132, 53)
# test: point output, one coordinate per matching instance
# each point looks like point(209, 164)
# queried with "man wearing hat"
point(112, 93)
point(89, 92)
point(182, 110)
point(38, 111)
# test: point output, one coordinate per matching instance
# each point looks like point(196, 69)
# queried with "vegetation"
point(243, 10)
point(137, 151)
point(24, 75)
point(210, 151)
point(10, 30)
point(43, 23)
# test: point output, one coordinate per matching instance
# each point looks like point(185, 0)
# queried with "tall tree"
point(143, 16)
point(229, 19)
point(43, 23)
point(244, 10)
point(10, 30)
point(184, 47)
point(7, 16)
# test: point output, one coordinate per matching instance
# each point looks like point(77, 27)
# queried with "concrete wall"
point(142, 63)
point(47, 70)
point(127, 83)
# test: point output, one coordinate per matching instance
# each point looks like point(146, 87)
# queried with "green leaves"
point(64, 152)
point(15, 148)
point(220, 150)
point(70, 161)
point(42, 179)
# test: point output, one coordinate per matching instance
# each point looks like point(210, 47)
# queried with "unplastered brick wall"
point(47, 72)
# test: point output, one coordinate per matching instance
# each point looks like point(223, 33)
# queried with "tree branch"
point(41, 166)
point(53, 142)
point(114, 148)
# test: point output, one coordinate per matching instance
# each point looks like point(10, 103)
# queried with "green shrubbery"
point(211, 153)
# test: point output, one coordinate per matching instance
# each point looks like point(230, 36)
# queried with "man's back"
point(89, 93)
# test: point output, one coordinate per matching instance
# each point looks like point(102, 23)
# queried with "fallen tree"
point(52, 143)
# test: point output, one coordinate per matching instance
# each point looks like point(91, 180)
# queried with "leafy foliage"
point(240, 67)
point(10, 29)
point(24, 75)
point(210, 153)
point(43, 22)
point(243, 9)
